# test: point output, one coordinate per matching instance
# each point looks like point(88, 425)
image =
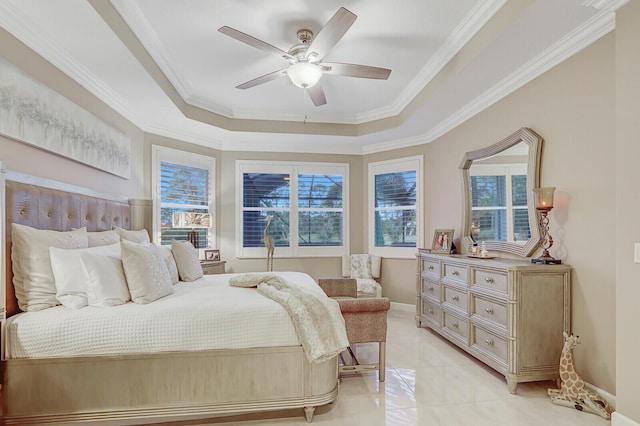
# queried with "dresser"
point(509, 314)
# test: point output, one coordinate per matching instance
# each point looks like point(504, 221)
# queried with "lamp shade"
point(191, 220)
point(304, 74)
point(543, 198)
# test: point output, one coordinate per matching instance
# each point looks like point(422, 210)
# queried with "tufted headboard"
point(58, 210)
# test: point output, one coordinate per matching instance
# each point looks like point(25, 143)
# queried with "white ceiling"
point(165, 67)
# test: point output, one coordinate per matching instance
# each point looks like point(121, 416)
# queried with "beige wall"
point(28, 159)
point(572, 107)
point(627, 206)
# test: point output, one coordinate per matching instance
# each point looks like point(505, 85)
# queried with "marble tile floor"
point(429, 382)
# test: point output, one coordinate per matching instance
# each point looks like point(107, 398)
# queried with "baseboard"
point(404, 307)
point(606, 395)
point(618, 419)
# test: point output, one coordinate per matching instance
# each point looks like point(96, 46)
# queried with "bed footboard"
point(164, 387)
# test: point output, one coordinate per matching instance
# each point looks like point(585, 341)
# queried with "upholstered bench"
point(365, 320)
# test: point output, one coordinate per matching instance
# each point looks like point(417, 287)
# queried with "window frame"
point(293, 169)
point(160, 154)
point(414, 163)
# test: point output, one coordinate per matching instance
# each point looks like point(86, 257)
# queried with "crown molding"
point(194, 138)
point(598, 26)
point(609, 5)
point(135, 19)
point(19, 26)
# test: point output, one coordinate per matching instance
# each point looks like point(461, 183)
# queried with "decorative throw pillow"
point(139, 236)
point(103, 238)
point(187, 260)
point(70, 276)
point(147, 275)
point(361, 266)
point(167, 255)
point(33, 278)
point(106, 283)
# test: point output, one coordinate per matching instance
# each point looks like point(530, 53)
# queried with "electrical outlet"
point(636, 252)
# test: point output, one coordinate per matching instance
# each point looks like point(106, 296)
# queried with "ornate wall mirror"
point(498, 202)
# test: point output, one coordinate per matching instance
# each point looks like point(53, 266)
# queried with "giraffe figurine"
point(572, 392)
point(268, 243)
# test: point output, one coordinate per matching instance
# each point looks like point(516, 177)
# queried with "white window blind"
point(395, 207)
point(306, 204)
point(184, 188)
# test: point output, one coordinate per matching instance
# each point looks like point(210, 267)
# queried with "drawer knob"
point(488, 280)
point(488, 310)
point(431, 311)
point(430, 288)
point(489, 342)
point(455, 298)
point(455, 273)
point(430, 267)
point(454, 324)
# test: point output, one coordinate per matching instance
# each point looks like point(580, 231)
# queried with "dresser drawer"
point(433, 312)
point(495, 281)
point(431, 268)
point(492, 311)
point(487, 342)
point(431, 289)
point(455, 272)
point(457, 298)
point(456, 325)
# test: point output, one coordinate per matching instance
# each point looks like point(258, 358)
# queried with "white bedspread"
point(204, 314)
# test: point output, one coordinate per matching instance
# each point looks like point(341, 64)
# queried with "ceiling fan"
point(305, 58)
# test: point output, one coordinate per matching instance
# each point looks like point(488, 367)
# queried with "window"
point(306, 203)
point(183, 196)
point(499, 203)
point(394, 197)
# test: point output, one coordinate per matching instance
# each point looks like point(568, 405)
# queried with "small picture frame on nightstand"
point(213, 254)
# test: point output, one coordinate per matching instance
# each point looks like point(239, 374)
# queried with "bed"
point(181, 379)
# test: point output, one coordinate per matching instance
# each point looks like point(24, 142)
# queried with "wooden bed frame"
point(140, 388)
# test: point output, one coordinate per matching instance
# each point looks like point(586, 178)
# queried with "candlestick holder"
point(544, 203)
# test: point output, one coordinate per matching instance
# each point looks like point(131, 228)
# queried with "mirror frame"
point(534, 141)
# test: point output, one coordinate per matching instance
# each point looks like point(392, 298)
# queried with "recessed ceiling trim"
point(140, 26)
point(14, 22)
point(160, 130)
point(586, 34)
point(610, 5)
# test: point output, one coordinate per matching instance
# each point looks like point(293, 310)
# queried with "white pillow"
point(147, 275)
point(70, 276)
point(167, 255)
point(33, 278)
point(106, 283)
point(187, 260)
point(103, 238)
point(139, 236)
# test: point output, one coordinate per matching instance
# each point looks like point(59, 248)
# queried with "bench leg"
point(382, 360)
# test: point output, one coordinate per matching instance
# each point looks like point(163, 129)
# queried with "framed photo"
point(442, 241)
point(212, 254)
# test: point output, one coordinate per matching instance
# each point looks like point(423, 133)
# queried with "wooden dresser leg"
point(308, 413)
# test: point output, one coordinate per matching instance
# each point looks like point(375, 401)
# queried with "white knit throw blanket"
point(317, 318)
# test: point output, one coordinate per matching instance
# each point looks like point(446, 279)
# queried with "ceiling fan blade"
point(355, 70)
point(262, 79)
point(317, 95)
point(331, 33)
point(252, 41)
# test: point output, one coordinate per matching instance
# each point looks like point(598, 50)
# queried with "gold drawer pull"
point(455, 298)
point(430, 267)
point(488, 310)
point(454, 324)
point(488, 280)
point(430, 288)
point(431, 311)
point(455, 273)
point(489, 342)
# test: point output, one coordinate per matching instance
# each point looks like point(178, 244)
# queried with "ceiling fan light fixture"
point(304, 74)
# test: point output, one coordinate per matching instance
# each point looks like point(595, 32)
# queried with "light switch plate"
point(636, 252)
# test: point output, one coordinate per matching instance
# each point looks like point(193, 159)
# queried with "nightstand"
point(212, 267)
